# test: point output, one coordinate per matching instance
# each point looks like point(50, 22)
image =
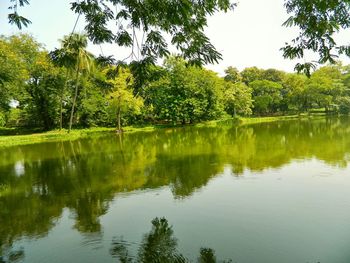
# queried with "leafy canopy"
point(184, 21)
point(318, 21)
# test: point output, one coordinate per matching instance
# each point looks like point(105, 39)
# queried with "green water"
point(273, 192)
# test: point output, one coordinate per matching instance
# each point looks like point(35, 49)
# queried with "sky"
point(251, 35)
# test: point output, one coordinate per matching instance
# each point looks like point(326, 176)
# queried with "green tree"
point(251, 74)
point(18, 53)
point(91, 103)
point(28, 80)
point(13, 73)
point(294, 96)
point(183, 20)
point(232, 74)
point(325, 87)
point(266, 96)
point(186, 94)
point(273, 75)
point(238, 99)
point(318, 22)
point(121, 99)
point(78, 61)
point(44, 86)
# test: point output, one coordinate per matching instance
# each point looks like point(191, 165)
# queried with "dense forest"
point(69, 87)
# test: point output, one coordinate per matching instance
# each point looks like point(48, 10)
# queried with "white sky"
point(251, 35)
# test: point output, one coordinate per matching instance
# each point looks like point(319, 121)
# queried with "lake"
point(269, 192)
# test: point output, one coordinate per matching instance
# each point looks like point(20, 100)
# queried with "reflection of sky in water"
point(288, 214)
point(19, 168)
point(264, 193)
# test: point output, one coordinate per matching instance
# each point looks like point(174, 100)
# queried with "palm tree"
point(77, 61)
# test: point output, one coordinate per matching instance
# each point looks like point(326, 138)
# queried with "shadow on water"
point(38, 181)
point(159, 246)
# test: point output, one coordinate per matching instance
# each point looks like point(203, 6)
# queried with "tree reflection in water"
point(11, 256)
point(159, 246)
point(38, 182)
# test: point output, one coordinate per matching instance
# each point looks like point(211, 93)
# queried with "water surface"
point(272, 192)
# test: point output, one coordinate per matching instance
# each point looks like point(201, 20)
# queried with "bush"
point(344, 105)
point(2, 119)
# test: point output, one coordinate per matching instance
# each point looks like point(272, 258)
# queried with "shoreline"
point(63, 135)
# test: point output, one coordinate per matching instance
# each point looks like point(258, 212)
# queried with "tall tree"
point(186, 94)
point(121, 99)
point(251, 74)
point(294, 96)
point(77, 60)
point(184, 21)
point(232, 74)
point(43, 88)
point(238, 99)
point(318, 22)
point(266, 95)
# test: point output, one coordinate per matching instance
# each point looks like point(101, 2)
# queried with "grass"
point(13, 137)
point(55, 135)
point(252, 120)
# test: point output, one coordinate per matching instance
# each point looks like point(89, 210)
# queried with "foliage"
point(14, 17)
point(16, 55)
point(184, 21)
point(43, 88)
point(233, 75)
point(77, 61)
point(318, 22)
point(294, 96)
point(122, 103)
point(344, 105)
point(238, 99)
point(54, 90)
point(2, 119)
point(266, 95)
point(251, 74)
point(325, 87)
point(186, 94)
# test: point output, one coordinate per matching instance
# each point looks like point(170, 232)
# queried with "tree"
point(23, 64)
point(186, 94)
point(325, 87)
point(237, 95)
point(232, 74)
point(121, 98)
point(318, 22)
point(13, 72)
point(251, 74)
point(183, 20)
point(77, 60)
point(14, 17)
point(43, 87)
point(64, 58)
point(294, 96)
point(266, 96)
point(273, 75)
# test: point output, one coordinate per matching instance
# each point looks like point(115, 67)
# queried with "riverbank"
point(63, 135)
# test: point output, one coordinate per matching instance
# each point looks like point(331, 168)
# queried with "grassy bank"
point(252, 120)
point(25, 137)
point(55, 135)
point(63, 135)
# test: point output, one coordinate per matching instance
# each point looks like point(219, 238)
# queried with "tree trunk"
point(74, 100)
point(61, 110)
point(119, 113)
point(119, 121)
point(61, 102)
